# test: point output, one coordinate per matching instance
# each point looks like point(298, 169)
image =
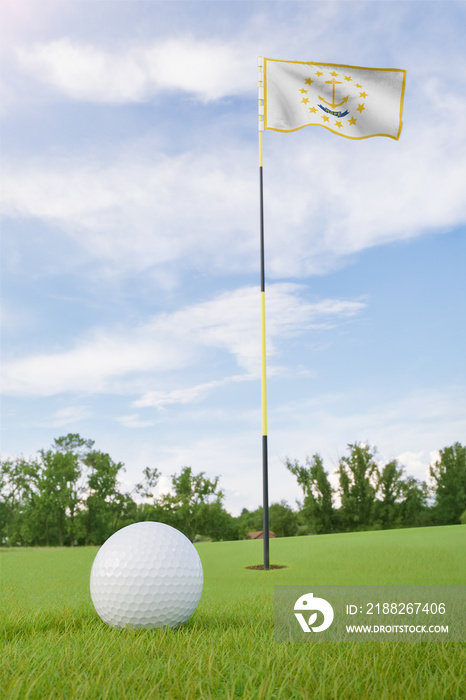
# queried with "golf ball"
point(146, 575)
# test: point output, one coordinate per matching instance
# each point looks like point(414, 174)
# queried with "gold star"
point(313, 109)
point(318, 73)
point(357, 85)
point(339, 124)
point(334, 74)
point(325, 118)
point(361, 108)
point(303, 90)
point(348, 78)
point(308, 81)
point(305, 100)
point(352, 121)
point(363, 94)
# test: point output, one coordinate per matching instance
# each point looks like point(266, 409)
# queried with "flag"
point(350, 101)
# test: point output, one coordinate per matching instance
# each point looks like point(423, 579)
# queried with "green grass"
point(55, 646)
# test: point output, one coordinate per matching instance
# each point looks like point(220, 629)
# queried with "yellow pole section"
point(263, 343)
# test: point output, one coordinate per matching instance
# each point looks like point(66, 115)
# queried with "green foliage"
point(193, 506)
point(390, 487)
point(59, 490)
point(70, 495)
point(67, 495)
point(250, 521)
point(358, 485)
point(220, 525)
point(23, 512)
point(373, 497)
point(148, 484)
point(318, 512)
point(104, 503)
point(449, 475)
point(413, 508)
point(283, 520)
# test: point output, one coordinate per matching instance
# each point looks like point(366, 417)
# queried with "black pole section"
point(265, 485)
point(265, 476)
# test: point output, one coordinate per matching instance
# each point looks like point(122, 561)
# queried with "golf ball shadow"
point(146, 575)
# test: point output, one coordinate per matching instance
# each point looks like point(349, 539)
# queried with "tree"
point(103, 502)
point(187, 507)
point(219, 524)
point(358, 482)
point(61, 493)
point(146, 487)
point(390, 486)
point(5, 507)
point(283, 520)
point(250, 521)
point(317, 511)
point(414, 511)
point(449, 475)
point(124, 510)
point(18, 487)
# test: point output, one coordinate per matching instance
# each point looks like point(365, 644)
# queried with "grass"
point(55, 646)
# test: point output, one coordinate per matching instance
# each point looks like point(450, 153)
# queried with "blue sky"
point(130, 239)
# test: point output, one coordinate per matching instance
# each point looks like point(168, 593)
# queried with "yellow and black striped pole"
point(265, 476)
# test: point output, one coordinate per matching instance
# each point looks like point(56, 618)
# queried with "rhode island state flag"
point(351, 101)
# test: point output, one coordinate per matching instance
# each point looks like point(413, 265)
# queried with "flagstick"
point(265, 477)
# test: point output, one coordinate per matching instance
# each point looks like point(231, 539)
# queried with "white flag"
point(351, 101)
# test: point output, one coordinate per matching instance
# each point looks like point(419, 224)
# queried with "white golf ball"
point(146, 575)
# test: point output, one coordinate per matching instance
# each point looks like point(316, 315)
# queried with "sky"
point(130, 240)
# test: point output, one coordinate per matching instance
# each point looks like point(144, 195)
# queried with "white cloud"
point(141, 211)
point(185, 395)
point(134, 421)
point(209, 70)
point(231, 321)
point(414, 462)
point(169, 342)
point(68, 416)
point(91, 365)
point(133, 63)
point(325, 198)
point(335, 198)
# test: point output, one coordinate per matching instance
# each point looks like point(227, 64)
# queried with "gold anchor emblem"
point(333, 104)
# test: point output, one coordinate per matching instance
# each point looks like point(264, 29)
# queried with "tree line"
point(70, 495)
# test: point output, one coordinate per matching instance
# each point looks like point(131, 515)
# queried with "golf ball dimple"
point(146, 575)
